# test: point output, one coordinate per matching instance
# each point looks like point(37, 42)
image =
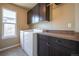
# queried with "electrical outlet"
point(69, 25)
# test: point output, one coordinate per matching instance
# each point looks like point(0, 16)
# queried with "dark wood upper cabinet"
point(40, 12)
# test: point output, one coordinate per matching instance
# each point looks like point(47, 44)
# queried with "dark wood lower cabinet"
point(51, 46)
point(42, 47)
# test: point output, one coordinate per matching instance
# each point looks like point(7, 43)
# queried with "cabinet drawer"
point(42, 37)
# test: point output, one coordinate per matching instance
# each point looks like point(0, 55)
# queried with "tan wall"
point(77, 17)
point(61, 16)
point(21, 24)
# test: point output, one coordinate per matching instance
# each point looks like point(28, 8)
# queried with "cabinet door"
point(36, 13)
point(51, 50)
point(29, 17)
point(61, 51)
point(42, 46)
point(42, 11)
point(56, 48)
point(48, 12)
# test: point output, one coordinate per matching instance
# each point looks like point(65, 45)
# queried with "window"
point(9, 23)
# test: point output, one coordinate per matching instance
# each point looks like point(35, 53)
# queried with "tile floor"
point(13, 52)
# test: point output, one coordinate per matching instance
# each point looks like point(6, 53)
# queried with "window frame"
point(7, 37)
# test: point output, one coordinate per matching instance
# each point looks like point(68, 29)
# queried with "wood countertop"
point(70, 36)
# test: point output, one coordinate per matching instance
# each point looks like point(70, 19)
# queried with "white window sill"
point(9, 37)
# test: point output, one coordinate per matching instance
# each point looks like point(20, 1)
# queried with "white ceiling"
point(26, 5)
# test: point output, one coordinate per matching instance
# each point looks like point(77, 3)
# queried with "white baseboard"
point(3, 49)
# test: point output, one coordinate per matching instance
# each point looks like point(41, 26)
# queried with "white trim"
point(3, 49)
